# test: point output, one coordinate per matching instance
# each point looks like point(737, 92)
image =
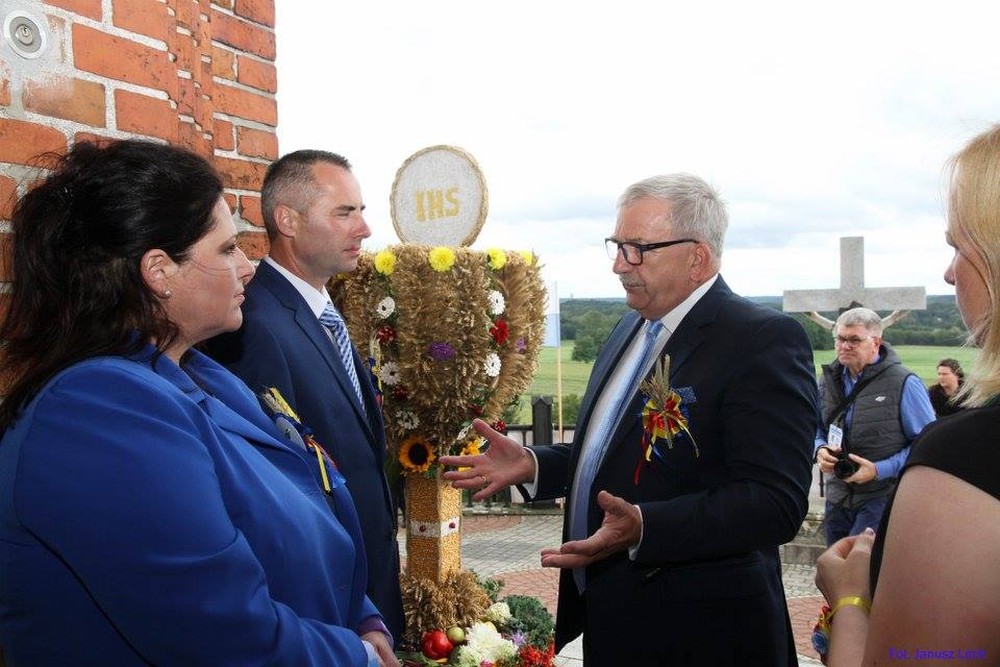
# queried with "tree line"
point(588, 322)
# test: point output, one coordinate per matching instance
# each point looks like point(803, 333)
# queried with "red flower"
point(400, 393)
point(500, 425)
point(476, 410)
point(500, 331)
point(531, 656)
point(385, 334)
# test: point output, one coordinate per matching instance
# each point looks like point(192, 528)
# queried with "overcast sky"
point(813, 120)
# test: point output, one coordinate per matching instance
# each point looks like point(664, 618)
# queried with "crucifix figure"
point(853, 293)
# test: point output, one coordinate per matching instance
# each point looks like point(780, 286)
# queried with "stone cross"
point(853, 293)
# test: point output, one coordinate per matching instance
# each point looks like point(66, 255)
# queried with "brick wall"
point(195, 73)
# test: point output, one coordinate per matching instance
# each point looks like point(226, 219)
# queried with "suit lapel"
point(680, 346)
point(311, 328)
point(606, 363)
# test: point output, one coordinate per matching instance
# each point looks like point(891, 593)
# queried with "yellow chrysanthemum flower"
point(416, 454)
point(441, 258)
point(385, 262)
point(472, 446)
point(497, 258)
point(528, 257)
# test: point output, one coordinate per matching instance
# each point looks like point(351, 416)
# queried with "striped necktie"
point(332, 320)
point(594, 454)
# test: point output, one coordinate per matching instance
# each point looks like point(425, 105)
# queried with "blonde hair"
point(974, 211)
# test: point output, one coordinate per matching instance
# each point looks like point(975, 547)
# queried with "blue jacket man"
point(312, 209)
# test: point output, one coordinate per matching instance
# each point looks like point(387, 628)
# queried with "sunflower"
point(416, 454)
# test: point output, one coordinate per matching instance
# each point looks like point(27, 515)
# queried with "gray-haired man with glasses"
point(872, 408)
point(680, 484)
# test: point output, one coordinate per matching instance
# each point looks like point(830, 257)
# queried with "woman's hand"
point(843, 569)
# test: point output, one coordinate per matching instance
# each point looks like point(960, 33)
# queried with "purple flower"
point(519, 638)
point(441, 351)
point(520, 345)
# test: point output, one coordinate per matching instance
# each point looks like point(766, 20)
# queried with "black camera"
point(844, 467)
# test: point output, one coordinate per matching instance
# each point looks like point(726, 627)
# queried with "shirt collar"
point(315, 299)
point(672, 320)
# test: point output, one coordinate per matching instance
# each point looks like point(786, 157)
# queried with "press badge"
point(835, 437)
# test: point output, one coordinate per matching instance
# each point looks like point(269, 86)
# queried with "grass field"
point(921, 359)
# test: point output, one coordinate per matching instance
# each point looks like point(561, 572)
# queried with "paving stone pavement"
point(507, 547)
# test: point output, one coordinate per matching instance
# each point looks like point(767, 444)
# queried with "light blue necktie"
point(332, 320)
point(594, 454)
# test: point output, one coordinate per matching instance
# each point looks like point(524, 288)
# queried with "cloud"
point(813, 121)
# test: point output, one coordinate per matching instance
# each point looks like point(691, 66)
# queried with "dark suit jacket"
point(282, 344)
point(705, 587)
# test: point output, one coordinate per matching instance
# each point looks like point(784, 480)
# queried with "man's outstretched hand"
point(621, 529)
point(503, 464)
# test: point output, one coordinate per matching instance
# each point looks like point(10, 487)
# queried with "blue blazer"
point(705, 586)
point(282, 344)
point(153, 516)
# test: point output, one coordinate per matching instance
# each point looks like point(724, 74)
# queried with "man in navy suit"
point(312, 209)
point(670, 553)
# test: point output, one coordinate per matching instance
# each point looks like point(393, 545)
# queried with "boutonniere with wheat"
point(664, 414)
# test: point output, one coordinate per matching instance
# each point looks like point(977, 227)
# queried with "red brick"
point(241, 174)
point(122, 59)
point(4, 85)
point(187, 97)
point(225, 4)
point(69, 99)
point(224, 134)
point(8, 196)
point(257, 74)
point(186, 55)
point(230, 201)
point(193, 138)
point(223, 63)
point(257, 143)
point(246, 104)
point(254, 244)
point(89, 8)
point(258, 11)
point(92, 138)
point(146, 17)
point(243, 35)
point(142, 114)
point(250, 210)
point(186, 12)
point(20, 141)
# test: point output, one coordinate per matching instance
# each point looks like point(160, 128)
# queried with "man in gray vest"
point(872, 409)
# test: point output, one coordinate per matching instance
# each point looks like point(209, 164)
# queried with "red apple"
point(436, 645)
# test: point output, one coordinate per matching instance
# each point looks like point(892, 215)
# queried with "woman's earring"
point(167, 294)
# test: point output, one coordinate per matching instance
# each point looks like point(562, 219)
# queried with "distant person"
point(946, 394)
point(872, 409)
point(293, 338)
point(151, 512)
point(671, 546)
point(931, 575)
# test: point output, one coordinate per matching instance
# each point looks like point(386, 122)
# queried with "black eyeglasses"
point(632, 252)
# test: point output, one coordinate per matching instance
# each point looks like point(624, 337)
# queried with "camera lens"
point(844, 468)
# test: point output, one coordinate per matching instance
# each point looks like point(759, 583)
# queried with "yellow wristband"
point(851, 601)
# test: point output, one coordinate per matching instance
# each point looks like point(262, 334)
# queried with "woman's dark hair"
point(954, 366)
point(77, 241)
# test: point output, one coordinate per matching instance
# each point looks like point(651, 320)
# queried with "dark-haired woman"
point(946, 396)
point(150, 512)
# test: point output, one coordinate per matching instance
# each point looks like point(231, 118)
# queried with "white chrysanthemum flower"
point(499, 613)
point(497, 302)
point(493, 364)
point(388, 373)
point(408, 420)
point(484, 643)
point(385, 307)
